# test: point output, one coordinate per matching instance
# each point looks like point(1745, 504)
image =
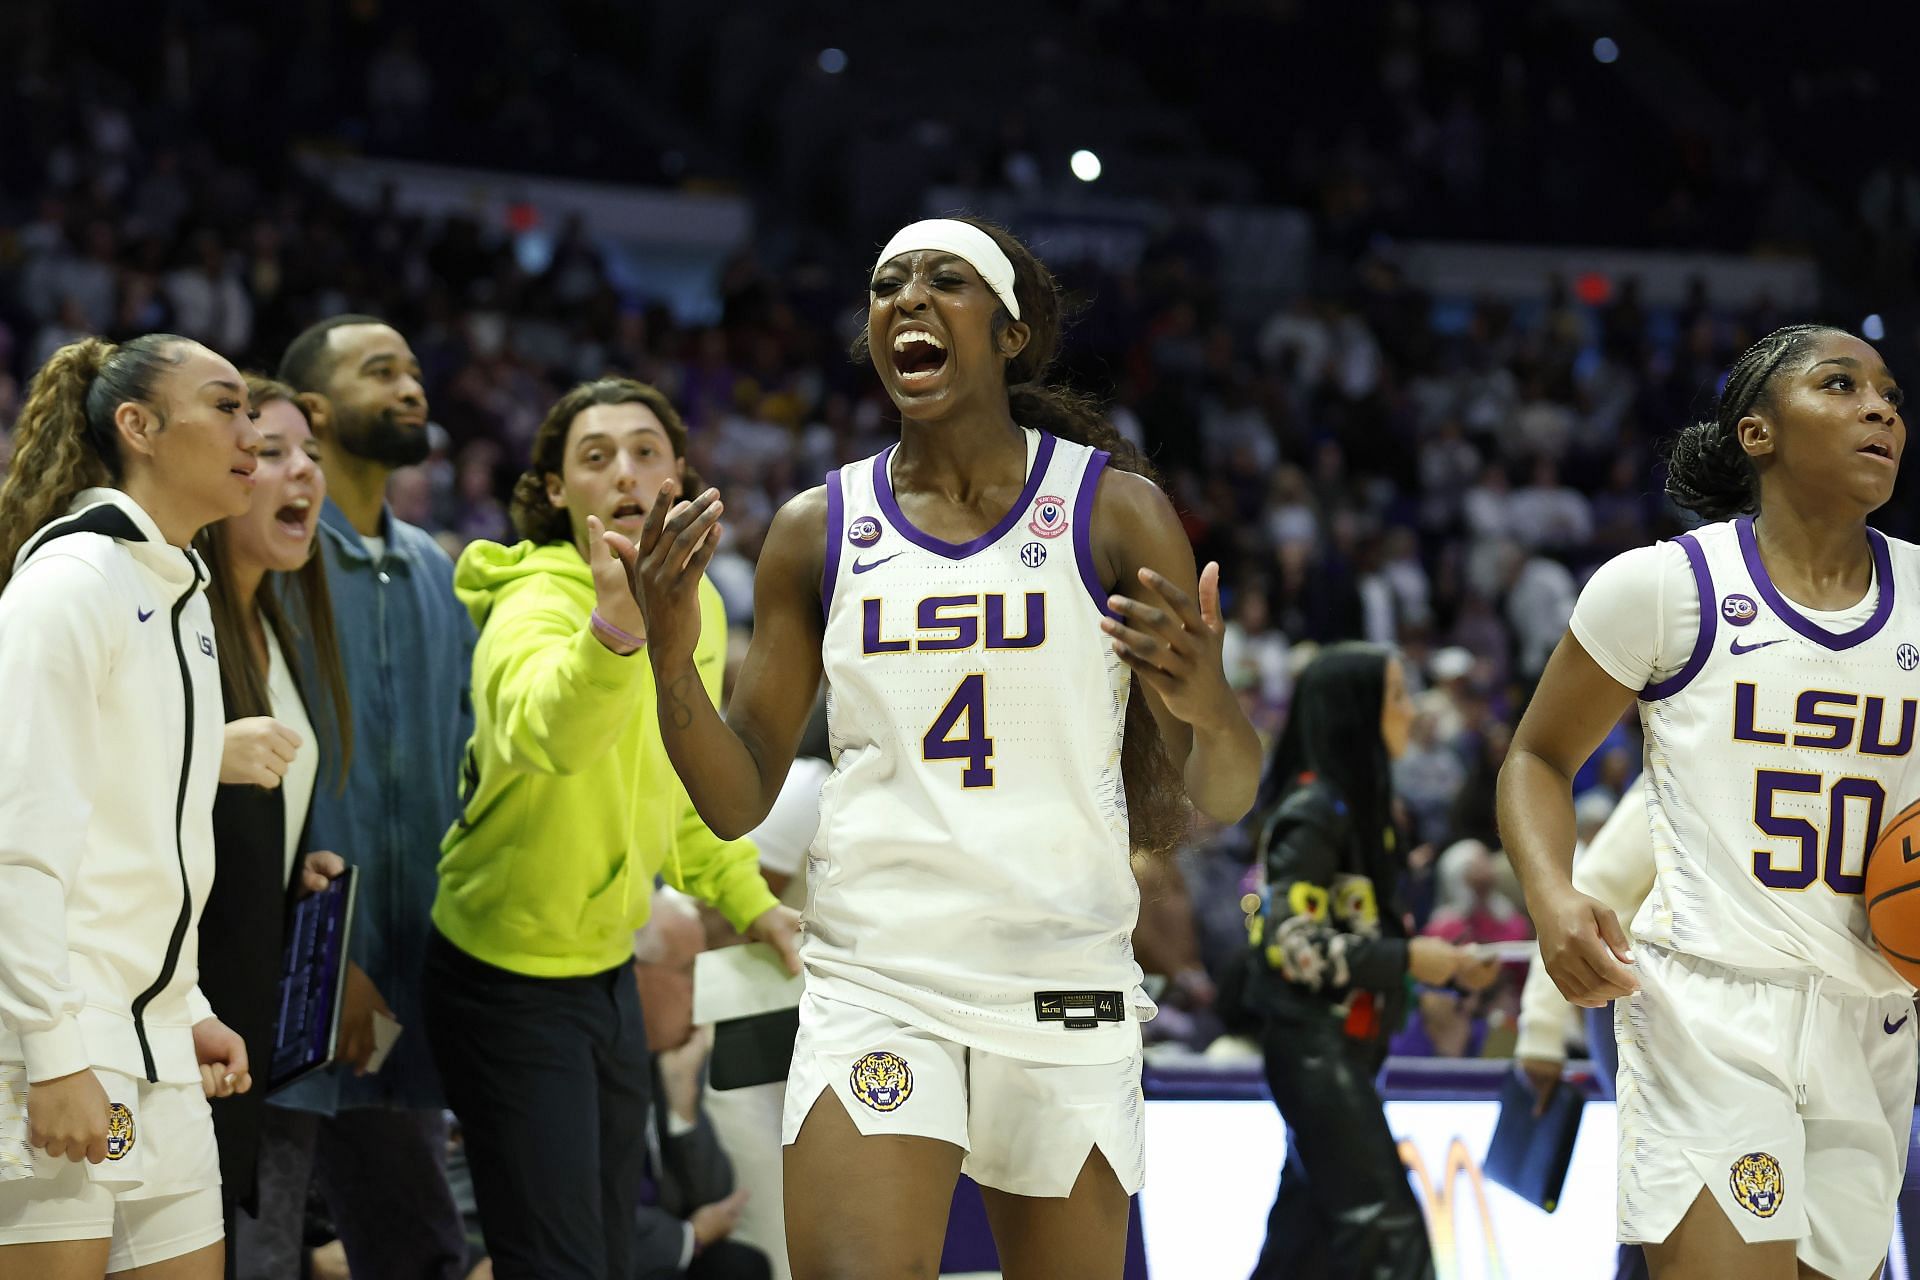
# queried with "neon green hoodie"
point(571, 804)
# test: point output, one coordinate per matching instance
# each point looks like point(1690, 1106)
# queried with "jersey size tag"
point(1079, 1009)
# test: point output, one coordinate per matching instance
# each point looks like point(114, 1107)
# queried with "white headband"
point(965, 240)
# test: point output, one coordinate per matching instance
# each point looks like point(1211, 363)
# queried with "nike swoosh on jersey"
point(143, 613)
point(1891, 1026)
point(861, 566)
point(1739, 648)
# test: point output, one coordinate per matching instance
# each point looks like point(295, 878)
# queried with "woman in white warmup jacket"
point(109, 755)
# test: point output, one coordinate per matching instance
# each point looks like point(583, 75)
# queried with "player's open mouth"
point(1878, 449)
point(630, 509)
point(918, 356)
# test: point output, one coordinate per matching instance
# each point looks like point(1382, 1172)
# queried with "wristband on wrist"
point(611, 632)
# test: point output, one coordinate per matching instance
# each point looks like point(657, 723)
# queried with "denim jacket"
point(407, 648)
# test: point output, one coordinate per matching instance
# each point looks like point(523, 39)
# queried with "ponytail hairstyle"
point(1158, 812)
point(243, 681)
point(1708, 472)
point(65, 439)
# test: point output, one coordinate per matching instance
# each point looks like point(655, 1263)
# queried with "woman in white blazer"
point(109, 755)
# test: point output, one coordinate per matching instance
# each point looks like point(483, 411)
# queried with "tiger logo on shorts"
point(882, 1080)
point(119, 1131)
point(1758, 1185)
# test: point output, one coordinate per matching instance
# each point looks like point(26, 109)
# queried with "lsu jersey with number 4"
point(971, 872)
point(1778, 740)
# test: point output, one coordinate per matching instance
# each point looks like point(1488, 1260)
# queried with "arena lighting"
point(1086, 165)
point(1605, 50)
point(833, 61)
point(1593, 288)
point(1873, 328)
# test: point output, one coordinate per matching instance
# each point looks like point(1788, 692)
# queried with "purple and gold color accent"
point(890, 508)
point(1838, 732)
point(1738, 610)
point(1769, 784)
point(1709, 623)
point(1083, 532)
point(952, 624)
point(1837, 642)
point(836, 516)
point(968, 701)
point(883, 1081)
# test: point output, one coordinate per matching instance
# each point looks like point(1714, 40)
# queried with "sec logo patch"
point(882, 1080)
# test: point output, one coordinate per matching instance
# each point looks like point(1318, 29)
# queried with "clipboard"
point(753, 1004)
point(313, 972)
point(1529, 1154)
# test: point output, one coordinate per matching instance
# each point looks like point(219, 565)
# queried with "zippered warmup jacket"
point(109, 757)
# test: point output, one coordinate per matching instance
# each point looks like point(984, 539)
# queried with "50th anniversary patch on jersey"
point(881, 1080)
point(1758, 1184)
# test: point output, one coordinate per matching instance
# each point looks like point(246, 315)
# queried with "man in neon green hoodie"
point(571, 808)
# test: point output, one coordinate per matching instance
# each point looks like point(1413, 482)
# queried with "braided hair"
point(1708, 472)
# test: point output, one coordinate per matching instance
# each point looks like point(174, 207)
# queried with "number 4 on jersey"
point(976, 748)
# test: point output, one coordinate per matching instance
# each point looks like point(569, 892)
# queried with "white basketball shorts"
point(1791, 1103)
point(156, 1195)
point(1027, 1127)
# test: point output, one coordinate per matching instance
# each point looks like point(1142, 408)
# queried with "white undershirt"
point(376, 546)
point(283, 698)
point(1639, 614)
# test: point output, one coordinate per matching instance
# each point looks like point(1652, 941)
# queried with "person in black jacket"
point(1331, 963)
point(270, 764)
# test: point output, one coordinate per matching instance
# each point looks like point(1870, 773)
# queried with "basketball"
point(1893, 909)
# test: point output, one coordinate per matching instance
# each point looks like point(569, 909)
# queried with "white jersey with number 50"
point(971, 873)
point(1779, 740)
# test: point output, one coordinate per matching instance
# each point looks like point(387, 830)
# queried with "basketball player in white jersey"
point(1766, 1049)
point(1023, 671)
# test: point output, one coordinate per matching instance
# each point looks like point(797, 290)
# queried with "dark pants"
point(1344, 1210)
point(383, 1175)
point(550, 1080)
point(721, 1260)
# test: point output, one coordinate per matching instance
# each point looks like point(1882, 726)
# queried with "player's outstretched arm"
point(1170, 632)
point(1581, 940)
point(732, 768)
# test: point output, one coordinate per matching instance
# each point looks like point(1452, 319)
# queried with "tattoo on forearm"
point(679, 711)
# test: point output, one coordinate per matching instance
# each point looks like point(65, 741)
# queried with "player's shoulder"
point(1642, 570)
point(796, 539)
point(804, 515)
point(1129, 490)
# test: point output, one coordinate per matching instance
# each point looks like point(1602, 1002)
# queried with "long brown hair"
point(534, 516)
point(64, 439)
point(1159, 815)
point(243, 681)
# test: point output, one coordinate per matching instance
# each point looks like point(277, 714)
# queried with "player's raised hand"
point(664, 570)
point(1585, 949)
point(1174, 643)
point(622, 622)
